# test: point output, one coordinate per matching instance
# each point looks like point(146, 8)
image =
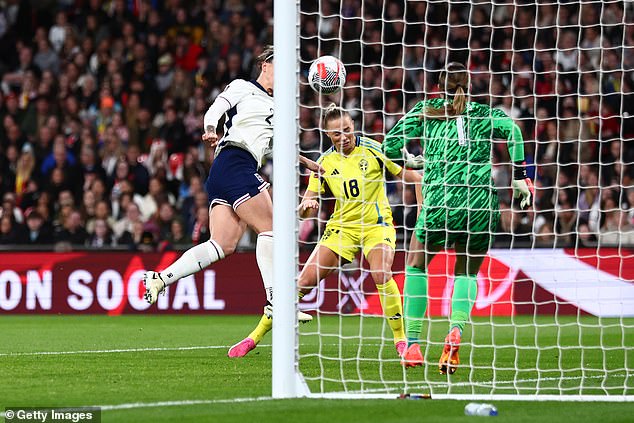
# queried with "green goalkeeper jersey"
point(457, 151)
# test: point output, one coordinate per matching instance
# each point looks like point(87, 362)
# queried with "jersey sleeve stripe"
point(370, 143)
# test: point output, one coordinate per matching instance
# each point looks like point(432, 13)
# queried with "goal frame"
point(287, 380)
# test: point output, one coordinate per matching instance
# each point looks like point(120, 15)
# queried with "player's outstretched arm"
point(413, 177)
point(311, 165)
point(408, 127)
point(504, 127)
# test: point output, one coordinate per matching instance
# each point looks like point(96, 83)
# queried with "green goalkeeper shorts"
point(458, 215)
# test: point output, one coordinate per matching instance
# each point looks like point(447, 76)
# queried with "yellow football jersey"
point(357, 182)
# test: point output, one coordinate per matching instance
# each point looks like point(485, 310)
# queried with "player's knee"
point(381, 276)
point(305, 285)
point(307, 280)
point(228, 248)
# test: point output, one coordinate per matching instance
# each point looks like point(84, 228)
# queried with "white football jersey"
point(249, 118)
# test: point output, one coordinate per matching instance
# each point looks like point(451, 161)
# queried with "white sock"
point(264, 257)
point(196, 258)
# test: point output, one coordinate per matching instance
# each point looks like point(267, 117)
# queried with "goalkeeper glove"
point(412, 161)
point(522, 186)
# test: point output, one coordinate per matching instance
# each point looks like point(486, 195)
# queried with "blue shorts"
point(233, 178)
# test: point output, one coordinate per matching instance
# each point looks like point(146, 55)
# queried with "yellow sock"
point(263, 327)
point(390, 298)
point(266, 324)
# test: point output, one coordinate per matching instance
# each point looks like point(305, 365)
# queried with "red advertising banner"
point(509, 282)
point(95, 282)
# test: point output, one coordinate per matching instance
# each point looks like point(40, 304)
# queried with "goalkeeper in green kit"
point(460, 204)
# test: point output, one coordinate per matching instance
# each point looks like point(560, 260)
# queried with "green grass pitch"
point(182, 360)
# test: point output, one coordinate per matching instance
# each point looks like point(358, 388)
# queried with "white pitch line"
point(177, 403)
point(122, 350)
point(127, 350)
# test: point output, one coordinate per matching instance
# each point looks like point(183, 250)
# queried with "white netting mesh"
point(556, 292)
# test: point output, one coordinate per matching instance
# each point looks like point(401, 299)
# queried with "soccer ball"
point(327, 75)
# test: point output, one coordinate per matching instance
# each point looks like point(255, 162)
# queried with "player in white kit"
point(238, 195)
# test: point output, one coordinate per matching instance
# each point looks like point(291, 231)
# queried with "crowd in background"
point(562, 70)
point(101, 106)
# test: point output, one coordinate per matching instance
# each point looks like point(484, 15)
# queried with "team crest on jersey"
point(363, 165)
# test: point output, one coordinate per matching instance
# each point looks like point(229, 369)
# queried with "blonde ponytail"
point(453, 80)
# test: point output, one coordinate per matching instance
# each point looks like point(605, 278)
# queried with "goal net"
point(553, 317)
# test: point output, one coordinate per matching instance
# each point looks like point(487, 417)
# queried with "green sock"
point(465, 291)
point(415, 302)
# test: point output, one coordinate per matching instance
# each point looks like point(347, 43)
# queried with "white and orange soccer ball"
point(327, 75)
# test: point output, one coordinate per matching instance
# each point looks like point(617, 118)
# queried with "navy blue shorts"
point(233, 178)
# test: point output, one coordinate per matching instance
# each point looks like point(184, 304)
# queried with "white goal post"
point(286, 39)
point(554, 316)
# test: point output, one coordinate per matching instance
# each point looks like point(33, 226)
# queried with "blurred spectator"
point(142, 132)
point(9, 207)
point(146, 243)
point(585, 237)
point(12, 81)
point(173, 132)
point(60, 158)
point(127, 223)
point(102, 211)
point(616, 229)
point(57, 33)
point(148, 204)
point(165, 74)
point(137, 172)
point(545, 237)
point(9, 230)
point(102, 235)
point(46, 58)
point(164, 218)
point(177, 234)
point(37, 232)
point(565, 223)
point(24, 170)
point(132, 237)
point(89, 166)
point(73, 230)
point(101, 97)
point(200, 233)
